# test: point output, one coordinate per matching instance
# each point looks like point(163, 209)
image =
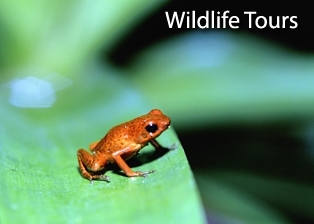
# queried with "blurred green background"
point(241, 103)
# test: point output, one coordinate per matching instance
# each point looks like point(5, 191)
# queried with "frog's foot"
point(104, 177)
point(99, 177)
point(143, 174)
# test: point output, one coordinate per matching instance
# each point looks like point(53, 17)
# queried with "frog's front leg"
point(91, 162)
point(126, 169)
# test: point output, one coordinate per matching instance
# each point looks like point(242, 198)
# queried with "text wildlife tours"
point(222, 20)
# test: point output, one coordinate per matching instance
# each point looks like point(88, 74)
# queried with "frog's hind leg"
point(86, 160)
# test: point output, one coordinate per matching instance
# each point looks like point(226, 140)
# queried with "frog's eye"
point(151, 128)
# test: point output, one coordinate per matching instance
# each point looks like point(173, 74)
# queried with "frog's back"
point(117, 138)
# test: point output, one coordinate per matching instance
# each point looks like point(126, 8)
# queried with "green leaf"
point(40, 181)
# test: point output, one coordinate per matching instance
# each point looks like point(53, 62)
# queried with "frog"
point(121, 143)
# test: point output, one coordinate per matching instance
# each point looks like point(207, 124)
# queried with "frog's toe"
point(144, 174)
point(104, 177)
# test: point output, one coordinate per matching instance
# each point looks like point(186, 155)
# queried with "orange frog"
point(121, 143)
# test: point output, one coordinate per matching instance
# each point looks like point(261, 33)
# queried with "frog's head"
point(154, 123)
